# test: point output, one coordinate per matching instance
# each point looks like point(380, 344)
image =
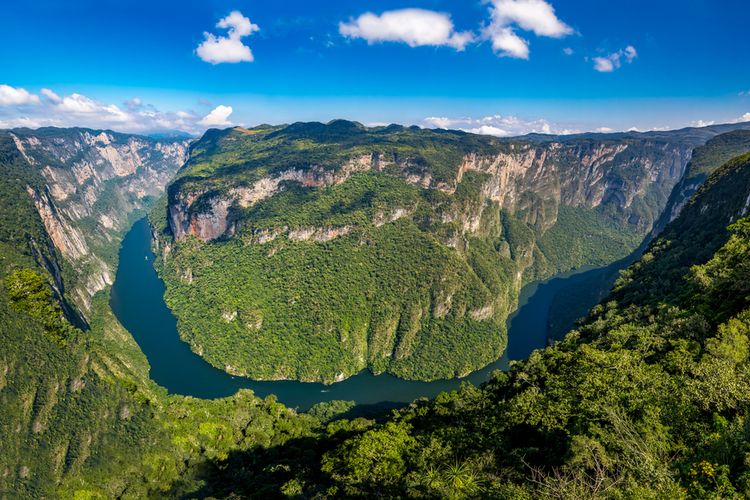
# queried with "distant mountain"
point(697, 135)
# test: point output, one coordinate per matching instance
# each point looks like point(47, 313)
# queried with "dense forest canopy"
point(646, 398)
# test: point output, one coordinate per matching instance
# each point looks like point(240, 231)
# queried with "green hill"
point(648, 398)
point(313, 251)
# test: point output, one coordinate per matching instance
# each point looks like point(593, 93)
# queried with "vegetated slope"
point(705, 160)
point(641, 399)
point(78, 415)
point(647, 399)
point(691, 238)
point(90, 185)
point(312, 251)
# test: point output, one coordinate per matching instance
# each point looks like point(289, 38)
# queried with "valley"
point(391, 248)
point(449, 250)
point(124, 400)
point(137, 302)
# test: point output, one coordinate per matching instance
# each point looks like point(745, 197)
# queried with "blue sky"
point(494, 66)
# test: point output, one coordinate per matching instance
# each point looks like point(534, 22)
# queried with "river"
point(137, 301)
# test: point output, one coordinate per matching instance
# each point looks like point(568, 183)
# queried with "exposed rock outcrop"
point(531, 178)
point(94, 180)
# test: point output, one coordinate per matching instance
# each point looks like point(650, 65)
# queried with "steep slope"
point(691, 238)
point(645, 400)
point(568, 306)
point(313, 251)
point(79, 417)
point(91, 183)
point(649, 398)
point(705, 160)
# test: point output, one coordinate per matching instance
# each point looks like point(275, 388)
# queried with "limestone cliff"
point(94, 181)
point(528, 178)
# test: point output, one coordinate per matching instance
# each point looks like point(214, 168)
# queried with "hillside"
point(79, 417)
point(88, 187)
point(705, 160)
point(648, 398)
point(313, 251)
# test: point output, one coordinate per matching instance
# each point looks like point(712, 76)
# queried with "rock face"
point(93, 182)
point(212, 222)
point(706, 159)
point(391, 248)
point(529, 178)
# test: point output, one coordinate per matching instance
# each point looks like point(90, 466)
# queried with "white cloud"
point(51, 95)
point(414, 27)
point(506, 43)
point(742, 119)
point(218, 117)
point(497, 125)
point(613, 61)
point(630, 53)
point(606, 64)
point(702, 123)
point(77, 110)
point(419, 27)
point(568, 51)
point(530, 15)
point(24, 121)
point(604, 130)
point(12, 96)
point(536, 16)
point(744, 93)
point(134, 104)
point(228, 49)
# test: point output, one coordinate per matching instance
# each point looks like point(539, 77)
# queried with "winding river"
point(137, 301)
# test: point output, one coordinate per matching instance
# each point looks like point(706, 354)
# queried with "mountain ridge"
point(254, 198)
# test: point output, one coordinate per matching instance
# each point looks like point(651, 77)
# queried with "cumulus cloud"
point(16, 96)
point(414, 27)
point(506, 43)
point(51, 95)
point(228, 49)
point(613, 61)
point(742, 119)
point(530, 15)
point(568, 51)
point(78, 110)
point(497, 125)
point(218, 117)
point(134, 104)
point(702, 123)
point(536, 16)
point(419, 27)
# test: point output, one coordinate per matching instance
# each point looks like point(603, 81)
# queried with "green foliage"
point(30, 292)
point(375, 271)
point(645, 399)
point(693, 238)
point(583, 237)
point(648, 398)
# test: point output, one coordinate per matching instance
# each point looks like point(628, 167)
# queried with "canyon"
point(471, 218)
point(93, 184)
